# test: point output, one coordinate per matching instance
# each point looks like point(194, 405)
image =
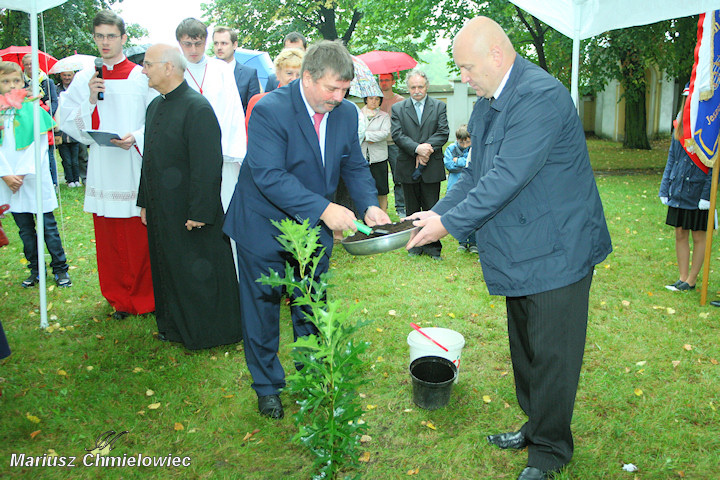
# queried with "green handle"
point(362, 228)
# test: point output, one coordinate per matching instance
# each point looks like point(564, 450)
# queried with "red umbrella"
point(16, 54)
point(381, 61)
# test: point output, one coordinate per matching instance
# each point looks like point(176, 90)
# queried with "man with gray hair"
point(420, 129)
point(196, 295)
point(303, 138)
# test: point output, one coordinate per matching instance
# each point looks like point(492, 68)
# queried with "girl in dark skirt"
point(685, 189)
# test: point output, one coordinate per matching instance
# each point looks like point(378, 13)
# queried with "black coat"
point(194, 279)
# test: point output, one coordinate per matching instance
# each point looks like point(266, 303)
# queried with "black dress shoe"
point(161, 337)
point(715, 303)
point(508, 440)
point(532, 473)
point(118, 315)
point(271, 406)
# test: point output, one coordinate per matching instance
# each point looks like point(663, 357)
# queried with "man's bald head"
point(164, 65)
point(483, 52)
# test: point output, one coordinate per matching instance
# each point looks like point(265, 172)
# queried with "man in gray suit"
point(420, 129)
point(531, 195)
point(225, 41)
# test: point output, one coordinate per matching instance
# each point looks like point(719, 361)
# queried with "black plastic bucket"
point(432, 381)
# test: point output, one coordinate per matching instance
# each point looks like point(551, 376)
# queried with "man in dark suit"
point(531, 195)
point(291, 40)
point(420, 129)
point(302, 139)
point(225, 41)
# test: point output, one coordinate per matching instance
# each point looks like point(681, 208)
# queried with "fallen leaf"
point(638, 392)
point(451, 315)
point(100, 337)
point(149, 393)
point(32, 418)
point(178, 426)
point(379, 330)
point(429, 425)
point(154, 406)
point(392, 314)
point(641, 363)
point(675, 363)
point(713, 361)
point(137, 370)
point(371, 407)
point(365, 457)
point(380, 359)
point(89, 368)
point(487, 399)
point(625, 303)
point(365, 438)
point(687, 347)
point(35, 433)
point(52, 452)
point(62, 373)
point(228, 396)
point(670, 310)
point(408, 410)
point(704, 315)
point(413, 471)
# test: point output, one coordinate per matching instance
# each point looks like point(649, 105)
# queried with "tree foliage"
point(626, 54)
point(63, 30)
point(361, 24)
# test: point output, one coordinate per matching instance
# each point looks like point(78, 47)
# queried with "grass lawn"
point(649, 390)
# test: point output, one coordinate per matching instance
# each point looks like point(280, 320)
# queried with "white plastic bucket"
point(450, 339)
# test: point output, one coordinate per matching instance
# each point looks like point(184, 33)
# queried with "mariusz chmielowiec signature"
point(104, 442)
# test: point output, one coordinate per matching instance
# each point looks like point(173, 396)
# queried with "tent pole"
point(575, 73)
point(709, 235)
point(39, 220)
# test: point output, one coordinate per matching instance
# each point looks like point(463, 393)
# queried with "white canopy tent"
point(34, 7)
point(581, 19)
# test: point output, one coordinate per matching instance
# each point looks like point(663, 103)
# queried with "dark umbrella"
point(136, 53)
point(15, 54)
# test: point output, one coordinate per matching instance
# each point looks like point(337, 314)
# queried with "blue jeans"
point(69, 153)
point(26, 226)
point(53, 166)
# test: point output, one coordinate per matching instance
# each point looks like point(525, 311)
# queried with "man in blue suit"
point(302, 139)
point(531, 194)
point(225, 41)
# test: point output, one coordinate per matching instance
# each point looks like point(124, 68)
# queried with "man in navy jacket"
point(301, 140)
point(225, 42)
point(531, 195)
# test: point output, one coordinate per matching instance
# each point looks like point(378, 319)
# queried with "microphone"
point(98, 69)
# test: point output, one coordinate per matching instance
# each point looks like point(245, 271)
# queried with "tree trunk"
point(633, 81)
point(636, 122)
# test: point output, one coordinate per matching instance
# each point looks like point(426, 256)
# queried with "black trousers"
point(547, 339)
point(421, 197)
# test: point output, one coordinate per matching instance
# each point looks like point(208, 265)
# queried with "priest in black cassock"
point(196, 290)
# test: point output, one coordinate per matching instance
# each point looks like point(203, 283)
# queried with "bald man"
point(531, 195)
point(196, 292)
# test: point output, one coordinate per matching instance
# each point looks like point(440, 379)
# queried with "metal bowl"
point(382, 244)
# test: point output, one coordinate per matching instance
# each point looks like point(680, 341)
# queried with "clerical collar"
point(176, 91)
point(502, 83)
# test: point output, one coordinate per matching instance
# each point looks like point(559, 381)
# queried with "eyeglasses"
point(109, 36)
point(193, 44)
point(147, 64)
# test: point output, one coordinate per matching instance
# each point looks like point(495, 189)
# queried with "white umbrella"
point(34, 7)
point(73, 63)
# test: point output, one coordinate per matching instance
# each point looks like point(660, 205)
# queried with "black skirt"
point(379, 172)
point(687, 219)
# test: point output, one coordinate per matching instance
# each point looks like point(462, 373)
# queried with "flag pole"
point(709, 235)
